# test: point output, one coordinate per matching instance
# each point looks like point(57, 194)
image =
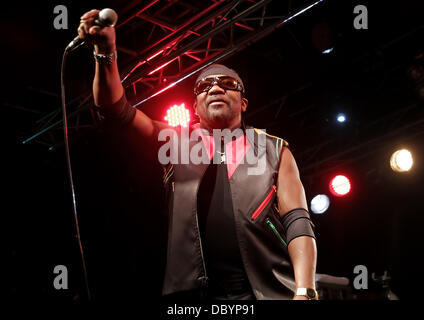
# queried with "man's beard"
point(220, 118)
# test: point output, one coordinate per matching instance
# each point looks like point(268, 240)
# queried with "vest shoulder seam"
point(284, 142)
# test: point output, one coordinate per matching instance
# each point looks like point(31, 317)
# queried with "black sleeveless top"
point(223, 260)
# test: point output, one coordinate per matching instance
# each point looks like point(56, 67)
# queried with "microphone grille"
point(107, 17)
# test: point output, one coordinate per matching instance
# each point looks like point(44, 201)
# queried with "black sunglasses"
point(225, 82)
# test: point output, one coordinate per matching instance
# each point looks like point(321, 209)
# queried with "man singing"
point(233, 234)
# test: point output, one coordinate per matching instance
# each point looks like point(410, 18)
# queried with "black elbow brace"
point(119, 113)
point(296, 223)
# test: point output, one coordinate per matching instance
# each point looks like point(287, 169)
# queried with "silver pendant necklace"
point(222, 156)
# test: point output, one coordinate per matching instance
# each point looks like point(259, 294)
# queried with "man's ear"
point(195, 108)
point(244, 103)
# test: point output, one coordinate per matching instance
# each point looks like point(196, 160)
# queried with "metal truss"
point(164, 42)
point(213, 34)
point(49, 130)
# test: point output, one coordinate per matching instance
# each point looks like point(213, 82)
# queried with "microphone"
point(106, 18)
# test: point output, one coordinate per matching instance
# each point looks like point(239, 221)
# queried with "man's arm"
point(107, 87)
point(291, 195)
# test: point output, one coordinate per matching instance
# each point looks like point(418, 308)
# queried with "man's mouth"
point(217, 101)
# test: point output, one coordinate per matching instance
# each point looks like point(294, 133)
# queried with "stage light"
point(320, 203)
point(178, 115)
point(341, 117)
point(340, 186)
point(327, 51)
point(401, 160)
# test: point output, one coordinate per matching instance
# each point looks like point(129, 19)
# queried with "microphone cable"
point(69, 167)
point(105, 18)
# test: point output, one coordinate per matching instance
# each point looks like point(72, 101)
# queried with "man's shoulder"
point(275, 139)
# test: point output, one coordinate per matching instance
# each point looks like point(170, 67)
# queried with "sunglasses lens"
point(228, 83)
point(203, 85)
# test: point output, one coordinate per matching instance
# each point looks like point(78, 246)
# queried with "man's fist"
point(103, 38)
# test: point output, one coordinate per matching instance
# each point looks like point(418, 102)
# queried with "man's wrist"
point(104, 49)
point(107, 59)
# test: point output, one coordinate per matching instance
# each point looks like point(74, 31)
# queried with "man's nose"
point(216, 90)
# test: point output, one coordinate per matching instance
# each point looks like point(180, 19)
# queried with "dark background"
point(118, 186)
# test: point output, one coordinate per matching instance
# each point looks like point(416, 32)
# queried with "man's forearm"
point(303, 253)
point(107, 87)
point(107, 90)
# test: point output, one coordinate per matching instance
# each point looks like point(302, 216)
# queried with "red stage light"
point(340, 186)
point(178, 115)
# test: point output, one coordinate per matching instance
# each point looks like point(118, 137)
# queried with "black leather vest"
point(259, 232)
